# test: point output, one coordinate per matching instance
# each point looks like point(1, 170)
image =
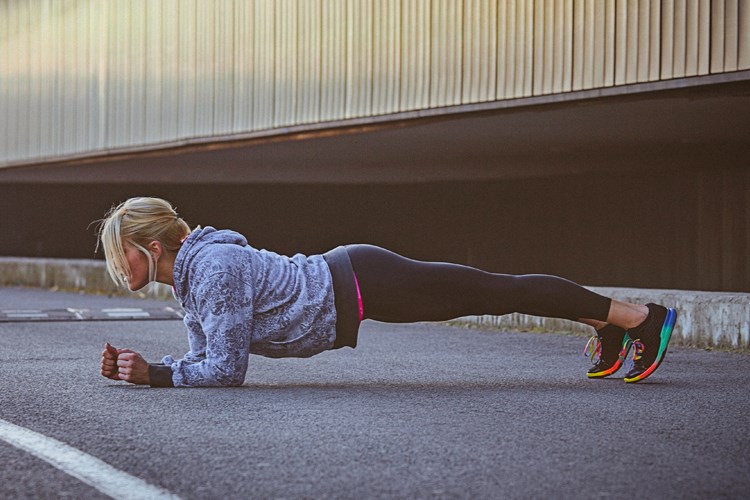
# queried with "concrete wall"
point(86, 275)
point(706, 319)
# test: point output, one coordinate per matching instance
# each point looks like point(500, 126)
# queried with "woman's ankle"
point(626, 315)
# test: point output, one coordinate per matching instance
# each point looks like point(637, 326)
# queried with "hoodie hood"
point(192, 246)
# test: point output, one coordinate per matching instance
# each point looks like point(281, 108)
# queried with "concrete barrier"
point(69, 275)
point(706, 319)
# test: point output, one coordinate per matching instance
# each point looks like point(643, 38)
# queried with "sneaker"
point(650, 341)
point(607, 350)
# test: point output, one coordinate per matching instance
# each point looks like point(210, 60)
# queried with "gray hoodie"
point(239, 300)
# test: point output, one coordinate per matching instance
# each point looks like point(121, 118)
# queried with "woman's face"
point(138, 263)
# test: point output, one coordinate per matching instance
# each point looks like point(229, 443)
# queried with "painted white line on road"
point(26, 315)
point(126, 312)
point(175, 312)
point(141, 314)
point(90, 470)
point(76, 312)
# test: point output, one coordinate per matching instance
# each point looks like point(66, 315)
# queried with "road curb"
point(706, 319)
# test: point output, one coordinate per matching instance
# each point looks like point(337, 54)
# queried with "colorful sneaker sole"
point(608, 372)
point(626, 345)
point(665, 336)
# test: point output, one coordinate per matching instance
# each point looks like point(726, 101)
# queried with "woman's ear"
point(155, 248)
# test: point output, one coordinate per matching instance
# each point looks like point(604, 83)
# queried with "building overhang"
point(688, 123)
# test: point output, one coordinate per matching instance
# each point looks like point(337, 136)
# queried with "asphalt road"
point(416, 411)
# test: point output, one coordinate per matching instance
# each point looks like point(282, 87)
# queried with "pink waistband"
point(359, 298)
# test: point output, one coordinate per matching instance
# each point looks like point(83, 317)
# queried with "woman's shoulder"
point(222, 257)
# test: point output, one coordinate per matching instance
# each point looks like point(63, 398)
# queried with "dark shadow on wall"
point(651, 230)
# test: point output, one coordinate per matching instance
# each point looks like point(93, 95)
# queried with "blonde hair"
point(139, 221)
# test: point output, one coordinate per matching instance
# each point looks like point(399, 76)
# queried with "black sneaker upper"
point(611, 338)
point(647, 339)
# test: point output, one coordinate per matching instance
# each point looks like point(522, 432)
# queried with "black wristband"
point(160, 375)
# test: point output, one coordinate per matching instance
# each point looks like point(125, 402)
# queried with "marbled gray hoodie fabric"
point(239, 300)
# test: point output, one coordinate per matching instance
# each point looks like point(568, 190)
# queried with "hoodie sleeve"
point(161, 374)
point(196, 340)
point(224, 315)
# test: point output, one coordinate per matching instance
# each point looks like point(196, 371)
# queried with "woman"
point(239, 300)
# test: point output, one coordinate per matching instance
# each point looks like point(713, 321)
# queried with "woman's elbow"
point(230, 378)
point(234, 382)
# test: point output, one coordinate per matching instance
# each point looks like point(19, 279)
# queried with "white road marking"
point(175, 312)
point(75, 312)
point(126, 312)
point(142, 314)
point(26, 315)
point(90, 470)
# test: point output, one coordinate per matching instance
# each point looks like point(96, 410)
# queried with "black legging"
point(396, 289)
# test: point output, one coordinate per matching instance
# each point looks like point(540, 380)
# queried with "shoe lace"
point(593, 349)
point(637, 350)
